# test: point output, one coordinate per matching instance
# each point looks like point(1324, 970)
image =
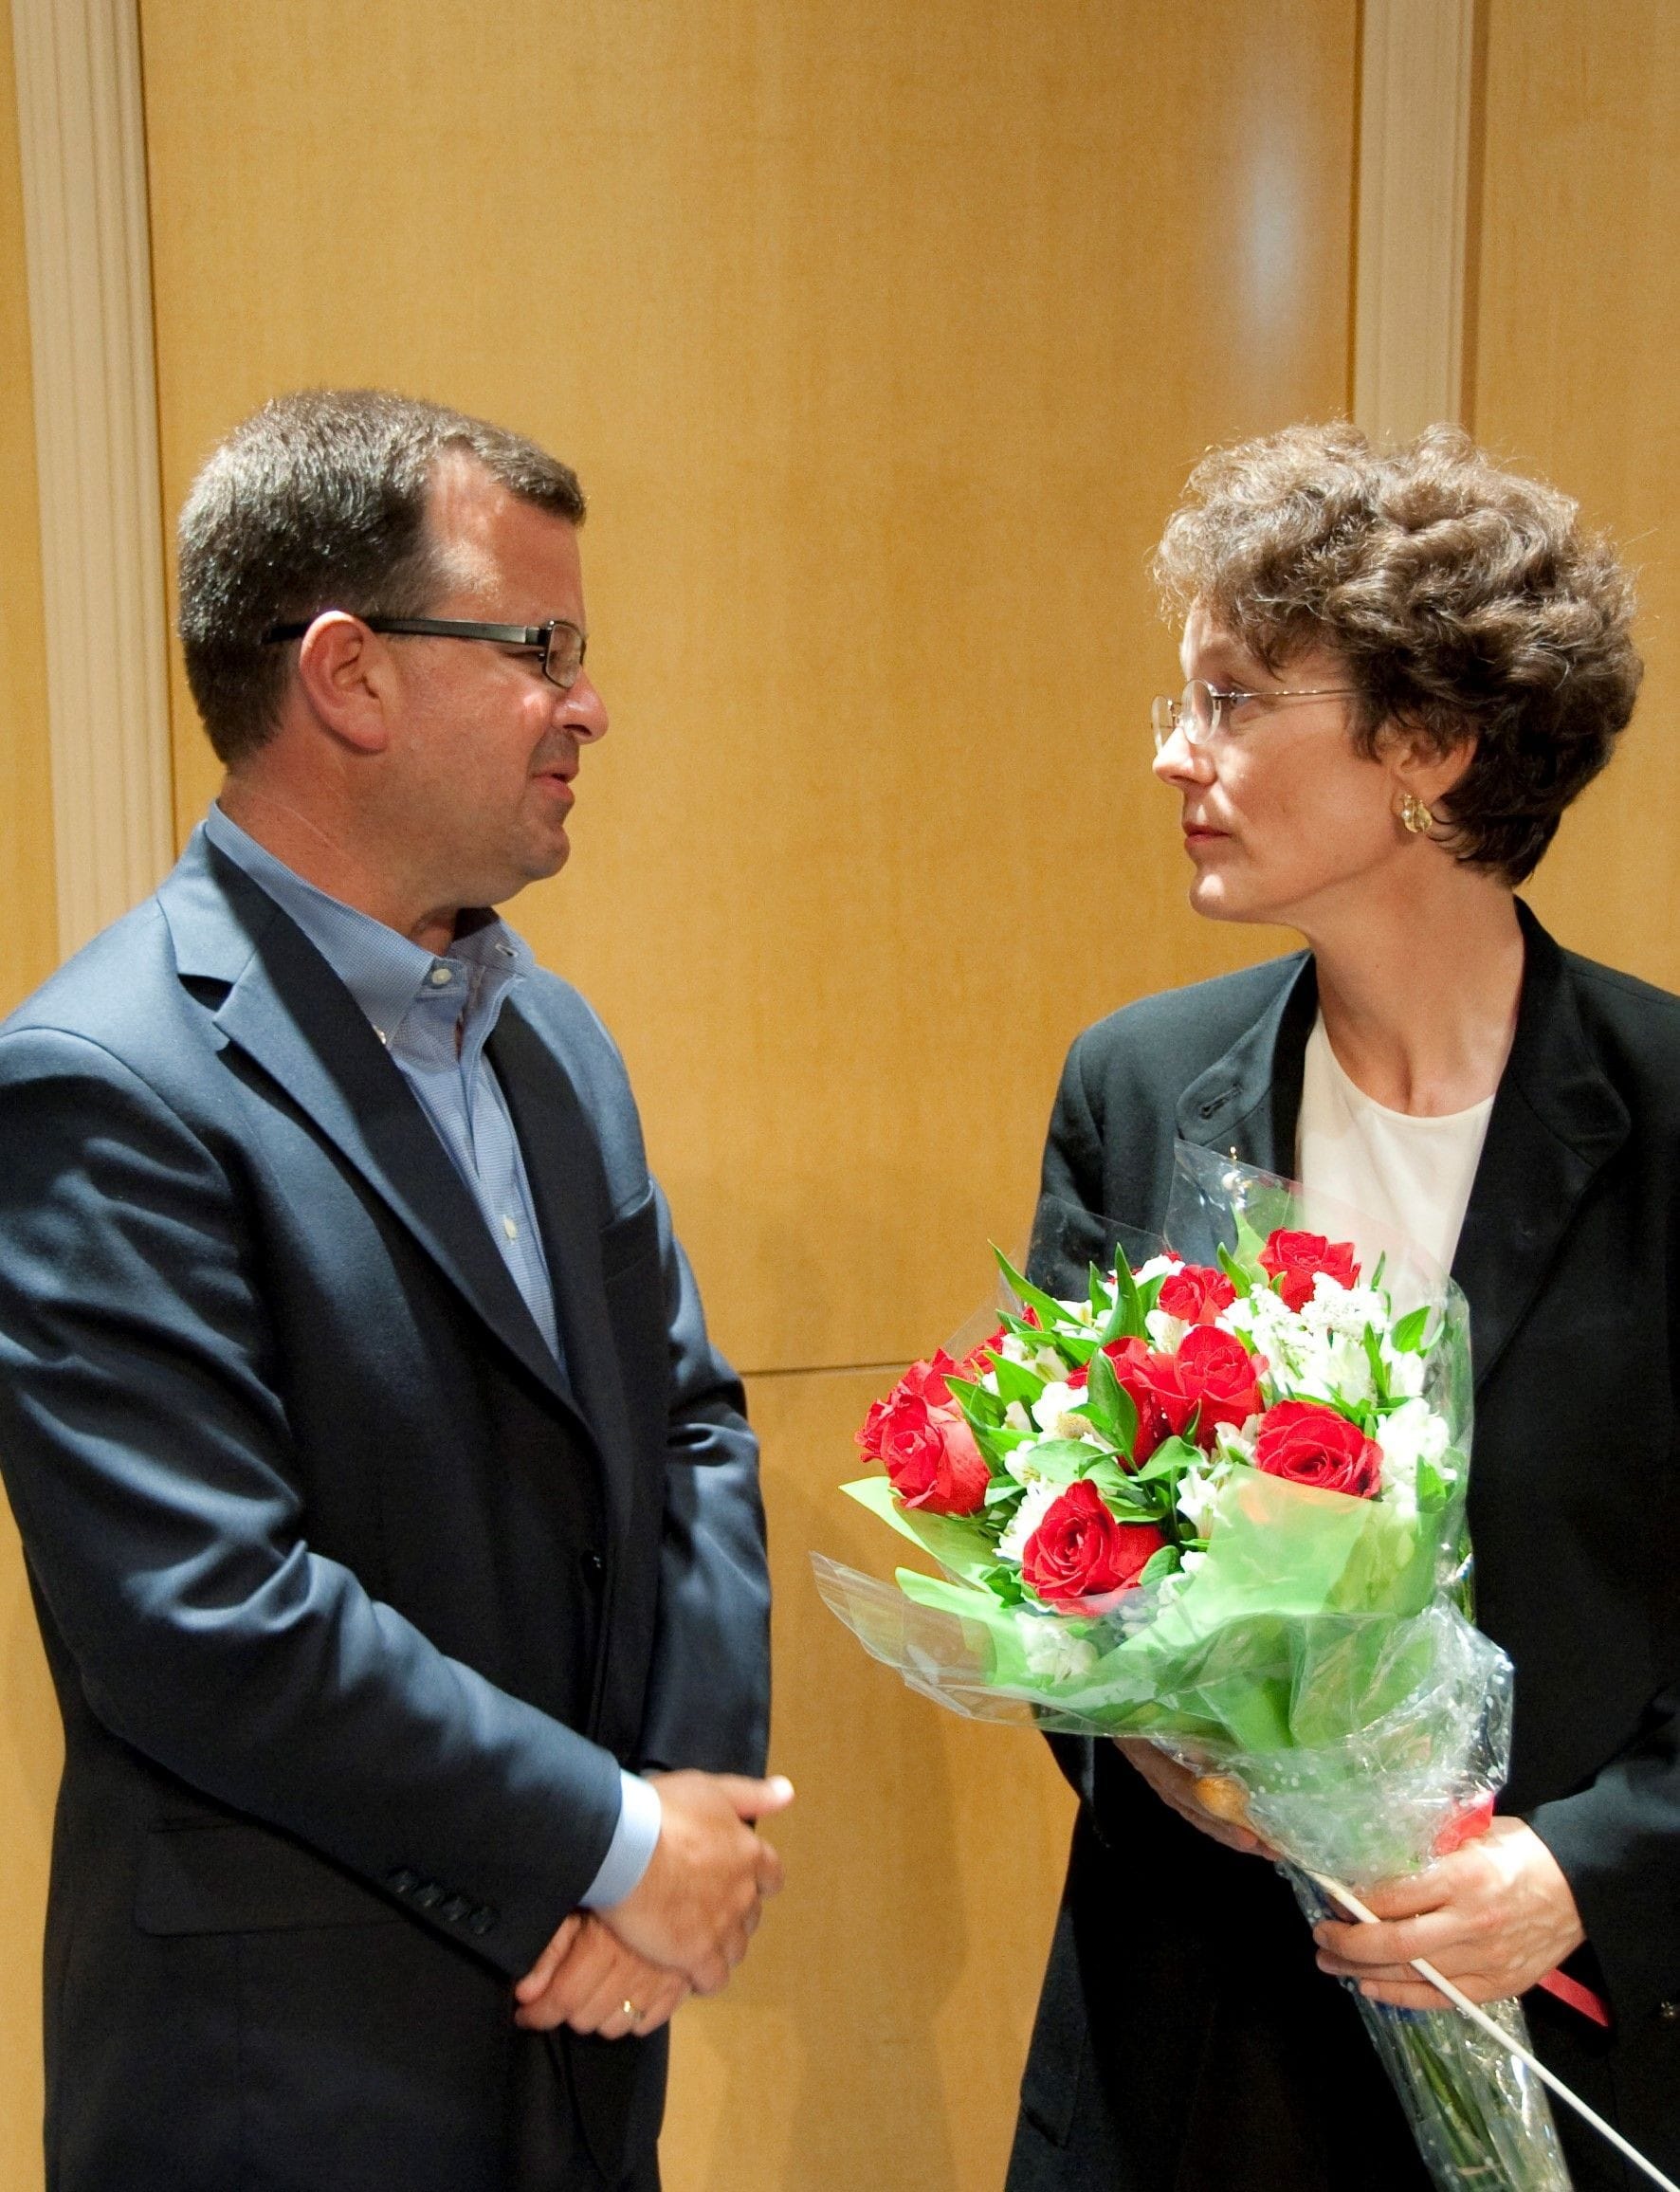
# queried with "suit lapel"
point(562, 1162)
point(1247, 1102)
point(1556, 1121)
point(288, 1012)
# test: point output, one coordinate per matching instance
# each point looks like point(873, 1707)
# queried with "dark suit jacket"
point(1569, 1259)
point(352, 1597)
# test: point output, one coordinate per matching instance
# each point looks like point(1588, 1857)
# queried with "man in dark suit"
point(393, 1526)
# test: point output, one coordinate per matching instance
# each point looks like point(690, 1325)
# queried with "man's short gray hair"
point(318, 502)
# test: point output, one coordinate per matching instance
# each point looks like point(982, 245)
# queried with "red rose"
point(1295, 1259)
point(1079, 1551)
point(1218, 1375)
point(922, 1438)
point(1309, 1443)
point(1197, 1292)
point(976, 1364)
point(1153, 1384)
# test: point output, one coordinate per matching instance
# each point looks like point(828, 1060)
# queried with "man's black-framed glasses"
point(561, 645)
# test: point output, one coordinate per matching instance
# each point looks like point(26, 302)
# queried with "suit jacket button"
point(401, 1882)
point(1668, 2012)
point(426, 1897)
point(592, 1566)
point(483, 1919)
point(455, 1910)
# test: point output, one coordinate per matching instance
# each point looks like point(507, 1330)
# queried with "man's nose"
point(583, 710)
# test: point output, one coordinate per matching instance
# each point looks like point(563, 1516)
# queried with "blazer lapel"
point(1556, 1121)
point(1247, 1102)
point(289, 1013)
point(564, 1164)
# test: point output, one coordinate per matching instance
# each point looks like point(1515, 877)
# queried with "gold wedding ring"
point(633, 2013)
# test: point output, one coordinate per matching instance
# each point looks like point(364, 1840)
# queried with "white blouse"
point(1410, 1176)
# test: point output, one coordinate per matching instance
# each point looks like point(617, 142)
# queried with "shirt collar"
point(383, 970)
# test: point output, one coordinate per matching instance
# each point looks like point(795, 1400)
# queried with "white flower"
point(1234, 1442)
point(1041, 1497)
point(1157, 1267)
point(1016, 1419)
point(1165, 1331)
point(1051, 1651)
point(1055, 1402)
point(1198, 1489)
point(1412, 1436)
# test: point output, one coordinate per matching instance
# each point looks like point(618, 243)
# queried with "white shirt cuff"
point(630, 1851)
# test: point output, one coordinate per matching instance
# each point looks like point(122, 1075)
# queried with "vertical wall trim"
point(82, 131)
point(1416, 123)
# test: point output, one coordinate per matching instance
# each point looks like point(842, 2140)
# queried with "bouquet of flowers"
point(1217, 1499)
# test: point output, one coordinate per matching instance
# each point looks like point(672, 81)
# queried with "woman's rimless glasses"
point(1201, 709)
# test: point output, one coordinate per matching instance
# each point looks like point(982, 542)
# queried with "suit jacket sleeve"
point(148, 1456)
point(708, 1687)
point(1618, 1842)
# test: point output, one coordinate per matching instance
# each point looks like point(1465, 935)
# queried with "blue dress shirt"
point(434, 1015)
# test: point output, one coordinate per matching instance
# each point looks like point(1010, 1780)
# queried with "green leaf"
point(1378, 1367)
point(1096, 1291)
point(1110, 1407)
point(1170, 1458)
point(983, 1408)
point(1056, 1460)
point(1016, 1382)
point(1249, 1245)
point(1165, 1562)
point(1126, 1321)
point(1055, 1317)
point(1407, 1338)
point(1233, 1270)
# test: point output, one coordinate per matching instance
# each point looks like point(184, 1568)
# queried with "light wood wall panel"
point(30, 1747)
point(875, 2035)
point(883, 337)
point(1579, 326)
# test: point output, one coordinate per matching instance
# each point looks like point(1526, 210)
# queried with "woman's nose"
point(1176, 761)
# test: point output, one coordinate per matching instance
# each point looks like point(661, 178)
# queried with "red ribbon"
point(1577, 1996)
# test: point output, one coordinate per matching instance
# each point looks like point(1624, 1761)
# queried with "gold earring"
point(1415, 815)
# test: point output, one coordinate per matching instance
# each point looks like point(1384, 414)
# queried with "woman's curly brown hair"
point(1464, 601)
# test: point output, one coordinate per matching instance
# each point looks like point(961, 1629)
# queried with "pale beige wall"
point(30, 1745)
point(1578, 328)
point(883, 338)
point(867, 327)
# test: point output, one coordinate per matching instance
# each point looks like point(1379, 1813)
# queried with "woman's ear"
point(1421, 770)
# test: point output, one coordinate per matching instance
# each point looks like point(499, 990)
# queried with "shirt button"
point(440, 977)
point(510, 1227)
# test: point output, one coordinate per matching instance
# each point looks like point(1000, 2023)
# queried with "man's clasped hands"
point(681, 1929)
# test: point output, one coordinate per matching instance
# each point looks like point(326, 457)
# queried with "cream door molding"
point(1416, 103)
point(82, 131)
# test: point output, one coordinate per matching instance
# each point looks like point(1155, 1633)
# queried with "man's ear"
point(349, 680)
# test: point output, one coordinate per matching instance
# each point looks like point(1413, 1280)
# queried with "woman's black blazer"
point(1568, 1258)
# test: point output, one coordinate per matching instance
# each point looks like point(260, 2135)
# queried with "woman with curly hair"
point(1401, 670)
